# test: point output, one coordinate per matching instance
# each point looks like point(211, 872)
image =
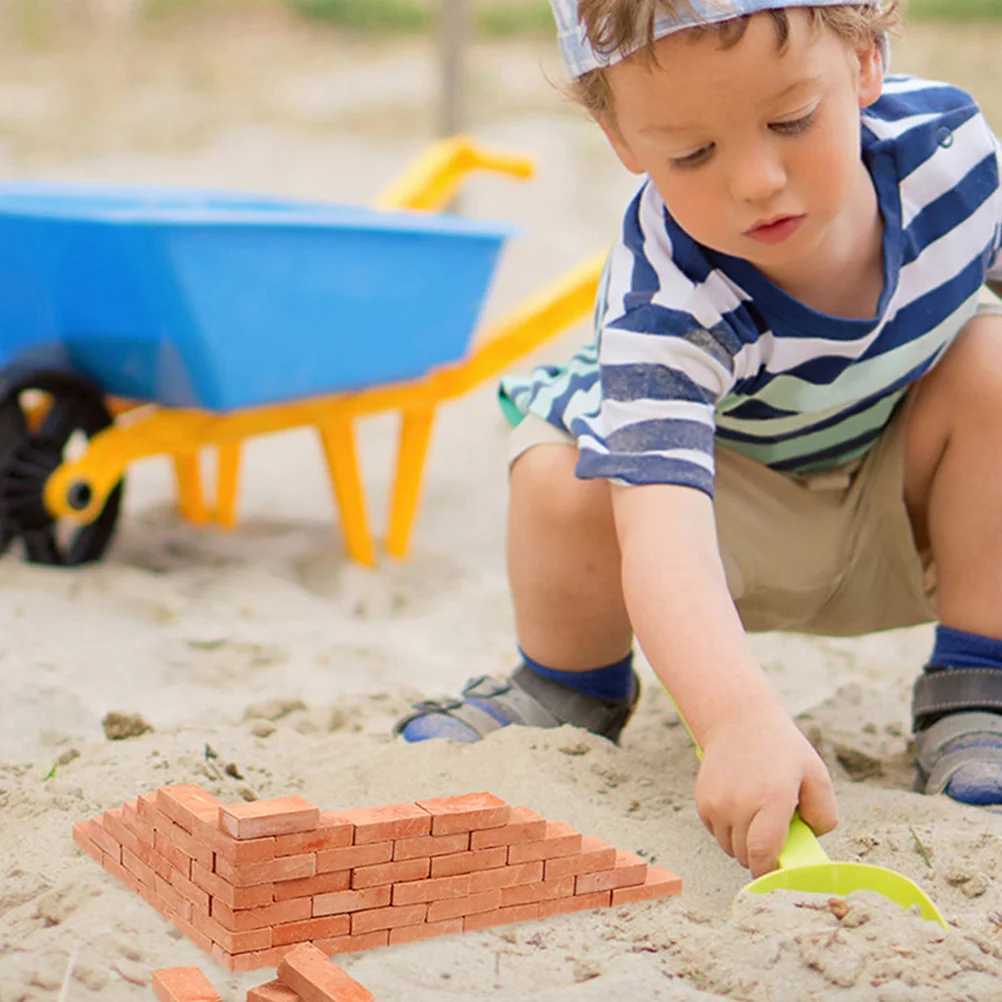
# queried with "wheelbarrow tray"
point(191, 298)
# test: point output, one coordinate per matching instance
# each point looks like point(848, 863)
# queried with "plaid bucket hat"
point(580, 57)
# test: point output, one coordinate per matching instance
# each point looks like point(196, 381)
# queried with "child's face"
point(756, 153)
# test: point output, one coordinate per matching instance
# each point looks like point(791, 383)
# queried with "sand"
point(267, 664)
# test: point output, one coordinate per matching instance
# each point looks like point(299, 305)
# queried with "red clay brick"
point(198, 896)
point(172, 898)
point(186, 927)
point(305, 932)
point(255, 850)
point(660, 883)
point(273, 991)
point(469, 862)
point(323, 883)
point(428, 930)
point(353, 856)
point(190, 845)
point(159, 862)
point(238, 898)
point(579, 903)
point(234, 962)
point(629, 871)
point(120, 873)
point(143, 830)
point(523, 826)
point(431, 845)
point(508, 876)
point(442, 911)
point(295, 910)
point(269, 872)
point(143, 873)
point(314, 978)
point(390, 873)
point(351, 901)
point(439, 889)
point(268, 958)
point(467, 813)
point(81, 836)
point(544, 890)
point(332, 832)
point(146, 807)
point(595, 856)
point(232, 942)
point(385, 824)
point(100, 837)
point(354, 944)
point(387, 918)
point(503, 916)
point(155, 901)
point(560, 840)
point(261, 818)
point(183, 984)
point(178, 860)
point(186, 804)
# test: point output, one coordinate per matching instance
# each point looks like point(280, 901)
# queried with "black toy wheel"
point(45, 419)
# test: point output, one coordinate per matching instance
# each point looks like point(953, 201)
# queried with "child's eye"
point(691, 160)
point(795, 126)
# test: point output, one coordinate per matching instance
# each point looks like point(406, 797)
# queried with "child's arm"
point(757, 766)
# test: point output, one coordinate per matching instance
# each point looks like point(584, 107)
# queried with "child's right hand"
point(757, 770)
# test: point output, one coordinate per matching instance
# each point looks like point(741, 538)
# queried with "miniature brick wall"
point(248, 882)
point(304, 975)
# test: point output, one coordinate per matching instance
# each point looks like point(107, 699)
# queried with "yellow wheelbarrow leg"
point(338, 438)
point(227, 483)
point(804, 866)
point(415, 434)
point(191, 498)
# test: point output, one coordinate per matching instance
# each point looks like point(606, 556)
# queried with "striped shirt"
point(696, 348)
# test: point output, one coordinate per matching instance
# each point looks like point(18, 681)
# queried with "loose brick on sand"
point(314, 978)
point(183, 984)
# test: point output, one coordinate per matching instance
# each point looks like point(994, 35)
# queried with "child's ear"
point(871, 73)
point(619, 144)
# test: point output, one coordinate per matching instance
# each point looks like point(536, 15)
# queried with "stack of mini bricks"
point(304, 975)
point(248, 882)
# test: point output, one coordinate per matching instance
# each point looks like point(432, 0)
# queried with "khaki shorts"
point(830, 553)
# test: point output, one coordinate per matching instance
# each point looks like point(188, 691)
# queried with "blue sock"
point(612, 682)
point(979, 781)
point(957, 649)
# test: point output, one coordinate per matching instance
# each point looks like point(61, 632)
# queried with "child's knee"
point(543, 481)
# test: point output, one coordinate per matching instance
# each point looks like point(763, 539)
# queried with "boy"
point(791, 416)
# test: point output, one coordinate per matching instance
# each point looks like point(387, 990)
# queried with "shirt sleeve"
point(665, 359)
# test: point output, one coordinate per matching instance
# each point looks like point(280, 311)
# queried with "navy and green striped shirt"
point(696, 348)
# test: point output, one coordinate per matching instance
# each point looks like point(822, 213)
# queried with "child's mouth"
point(775, 231)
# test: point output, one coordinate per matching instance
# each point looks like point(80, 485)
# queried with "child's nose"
point(757, 177)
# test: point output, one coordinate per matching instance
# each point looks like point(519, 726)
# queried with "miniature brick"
point(143, 873)
point(468, 813)
point(431, 845)
point(177, 859)
point(428, 930)
point(238, 898)
point(186, 805)
point(81, 836)
point(486, 901)
point(579, 903)
point(232, 942)
point(544, 890)
point(317, 928)
point(387, 918)
point(354, 856)
point(273, 991)
point(509, 876)
point(503, 916)
point(384, 824)
point(269, 872)
point(295, 910)
point(146, 807)
point(351, 901)
point(269, 958)
point(187, 928)
point(189, 845)
point(332, 832)
point(115, 826)
point(660, 883)
point(120, 873)
point(594, 857)
point(560, 840)
point(324, 883)
point(315, 979)
point(390, 873)
point(354, 944)
point(439, 889)
point(629, 871)
point(523, 825)
point(183, 984)
point(191, 892)
point(143, 830)
point(100, 837)
point(172, 898)
point(279, 816)
point(236, 962)
point(469, 862)
point(239, 853)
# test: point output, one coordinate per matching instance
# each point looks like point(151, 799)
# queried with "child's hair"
point(618, 26)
